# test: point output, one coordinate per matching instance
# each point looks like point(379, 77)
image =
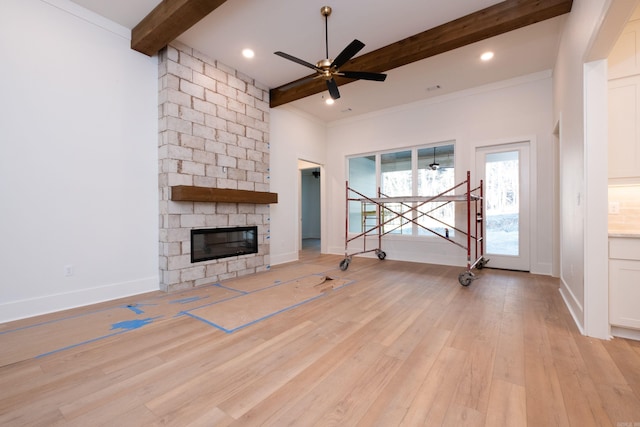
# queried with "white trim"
point(572, 304)
point(608, 27)
point(529, 148)
point(284, 258)
point(15, 310)
point(300, 113)
point(596, 264)
point(90, 17)
point(542, 268)
point(541, 75)
point(556, 257)
point(630, 334)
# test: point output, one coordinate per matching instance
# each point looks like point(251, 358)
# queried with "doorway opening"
point(310, 229)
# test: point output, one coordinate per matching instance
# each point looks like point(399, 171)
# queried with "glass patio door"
point(505, 171)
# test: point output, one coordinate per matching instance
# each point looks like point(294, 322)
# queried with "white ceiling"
point(297, 28)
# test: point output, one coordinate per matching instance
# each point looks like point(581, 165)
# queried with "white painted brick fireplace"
point(213, 132)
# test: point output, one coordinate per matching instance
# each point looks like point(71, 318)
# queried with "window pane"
point(362, 178)
point(396, 180)
point(436, 175)
point(362, 175)
point(395, 174)
point(502, 197)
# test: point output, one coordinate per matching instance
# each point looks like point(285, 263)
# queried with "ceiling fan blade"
point(333, 89)
point(348, 53)
point(297, 60)
point(363, 75)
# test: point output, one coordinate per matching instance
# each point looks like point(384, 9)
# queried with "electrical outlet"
point(614, 207)
point(68, 270)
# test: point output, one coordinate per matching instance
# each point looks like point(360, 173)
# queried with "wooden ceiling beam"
point(167, 21)
point(498, 19)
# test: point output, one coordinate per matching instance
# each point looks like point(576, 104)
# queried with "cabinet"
point(624, 132)
point(624, 59)
point(624, 282)
point(624, 104)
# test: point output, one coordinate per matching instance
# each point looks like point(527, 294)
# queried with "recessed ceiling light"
point(328, 99)
point(248, 53)
point(486, 56)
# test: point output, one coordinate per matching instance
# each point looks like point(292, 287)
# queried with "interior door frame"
point(528, 227)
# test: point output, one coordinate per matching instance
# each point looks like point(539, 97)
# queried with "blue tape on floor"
point(125, 326)
point(62, 319)
point(231, 289)
point(129, 325)
point(193, 316)
point(186, 300)
point(79, 344)
point(253, 322)
point(135, 309)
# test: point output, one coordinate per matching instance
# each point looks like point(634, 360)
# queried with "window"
point(396, 180)
point(419, 171)
point(435, 176)
point(362, 177)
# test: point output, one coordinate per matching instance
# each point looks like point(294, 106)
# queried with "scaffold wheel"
point(466, 278)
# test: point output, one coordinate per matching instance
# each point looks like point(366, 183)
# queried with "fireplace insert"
point(214, 243)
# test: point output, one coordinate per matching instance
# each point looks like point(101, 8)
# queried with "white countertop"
point(627, 235)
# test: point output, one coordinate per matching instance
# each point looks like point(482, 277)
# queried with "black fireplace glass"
point(214, 243)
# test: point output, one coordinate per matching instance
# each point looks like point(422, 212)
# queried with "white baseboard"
point(16, 310)
point(283, 258)
point(631, 334)
point(542, 268)
point(574, 306)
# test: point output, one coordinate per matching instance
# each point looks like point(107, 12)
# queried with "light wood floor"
point(405, 345)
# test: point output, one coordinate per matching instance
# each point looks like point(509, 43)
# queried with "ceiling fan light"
point(248, 53)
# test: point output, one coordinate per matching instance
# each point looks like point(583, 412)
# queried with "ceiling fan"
point(435, 165)
point(328, 68)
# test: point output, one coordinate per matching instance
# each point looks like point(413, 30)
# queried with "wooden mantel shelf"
point(187, 193)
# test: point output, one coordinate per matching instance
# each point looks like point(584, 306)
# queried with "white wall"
point(510, 111)
point(580, 100)
point(570, 108)
point(294, 136)
point(78, 162)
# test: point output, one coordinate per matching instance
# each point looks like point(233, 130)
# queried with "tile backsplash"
point(624, 209)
